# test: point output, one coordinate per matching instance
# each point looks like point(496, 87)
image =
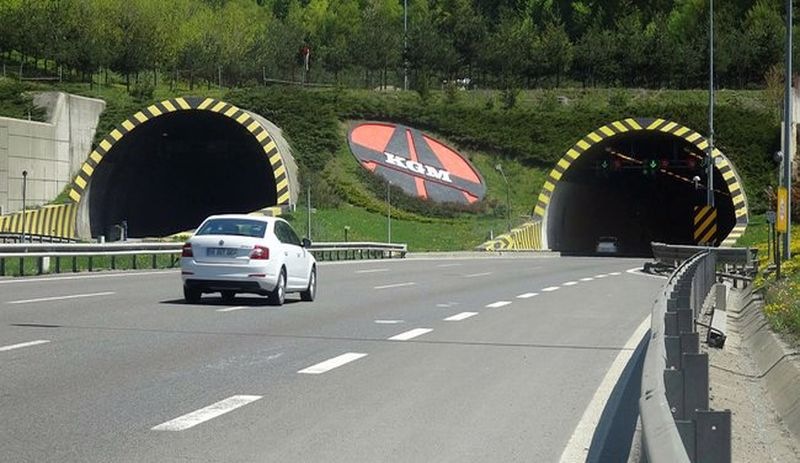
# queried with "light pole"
point(499, 168)
point(709, 159)
point(405, 45)
point(788, 119)
point(24, 194)
point(389, 209)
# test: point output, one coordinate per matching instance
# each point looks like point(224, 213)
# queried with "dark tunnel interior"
point(171, 172)
point(638, 188)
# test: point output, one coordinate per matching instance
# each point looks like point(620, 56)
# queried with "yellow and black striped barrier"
point(705, 225)
point(56, 220)
point(526, 237)
point(240, 116)
point(723, 165)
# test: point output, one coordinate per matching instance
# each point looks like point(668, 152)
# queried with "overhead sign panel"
point(416, 162)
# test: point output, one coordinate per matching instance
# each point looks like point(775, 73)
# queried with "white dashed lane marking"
point(232, 309)
point(497, 304)
point(527, 295)
point(570, 283)
point(373, 270)
point(330, 364)
point(23, 344)
point(474, 275)
point(448, 265)
point(395, 285)
point(602, 275)
point(204, 414)
point(551, 288)
point(61, 298)
point(460, 316)
point(411, 334)
point(615, 273)
point(388, 322)
point(587, 279)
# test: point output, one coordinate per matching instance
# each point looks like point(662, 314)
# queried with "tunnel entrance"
point(174, 170)
point(636, 185)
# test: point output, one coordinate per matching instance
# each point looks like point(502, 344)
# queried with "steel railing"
point(80, 256)
point(677, 425)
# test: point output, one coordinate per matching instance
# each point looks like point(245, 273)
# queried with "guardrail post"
point(673, 389)
point(2, 266)
point(58, 264)
point(695, 383)
point(90, 264)
point(21, 266)
point(74, 264)
point(40, 265)
point(133, 261)
point(687, 430)
point(113, 262)
point(155, 261)
point(713, 436)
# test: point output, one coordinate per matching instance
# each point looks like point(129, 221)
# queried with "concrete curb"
point(774, 358)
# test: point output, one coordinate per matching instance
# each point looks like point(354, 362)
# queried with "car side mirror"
point(306, 243)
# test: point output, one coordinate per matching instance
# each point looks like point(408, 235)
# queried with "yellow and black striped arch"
point(55, 220)
point(81, 180)
point(617, 128)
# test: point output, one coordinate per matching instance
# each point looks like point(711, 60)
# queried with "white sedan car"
point(233, 254)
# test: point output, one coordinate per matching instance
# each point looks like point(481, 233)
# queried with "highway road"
point(477, 359)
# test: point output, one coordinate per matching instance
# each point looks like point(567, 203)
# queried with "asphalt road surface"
point(492, 359)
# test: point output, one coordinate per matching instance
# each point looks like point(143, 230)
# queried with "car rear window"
point(234, 227)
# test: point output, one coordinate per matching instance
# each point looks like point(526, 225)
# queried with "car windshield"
point(235, 227)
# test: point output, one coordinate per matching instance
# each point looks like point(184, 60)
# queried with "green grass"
point(30, 265)
point(463, 234)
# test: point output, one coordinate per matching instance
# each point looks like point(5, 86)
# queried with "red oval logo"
point(416, 162)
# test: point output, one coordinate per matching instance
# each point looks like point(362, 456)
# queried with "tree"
point(379, 43)
point(556, 50)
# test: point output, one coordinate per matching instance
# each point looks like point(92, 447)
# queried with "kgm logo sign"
point(416, 162)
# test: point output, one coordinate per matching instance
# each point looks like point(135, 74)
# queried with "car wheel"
point(228, 296)
point(278, 295)
point(191, 295)
point(310, 293)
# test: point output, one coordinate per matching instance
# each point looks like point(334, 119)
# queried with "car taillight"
point(259, 252)
point(187, 250)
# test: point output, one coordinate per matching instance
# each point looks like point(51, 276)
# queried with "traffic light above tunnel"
point(639, 181)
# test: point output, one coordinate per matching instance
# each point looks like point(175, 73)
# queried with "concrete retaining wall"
point(51, 151)
point(777, 361)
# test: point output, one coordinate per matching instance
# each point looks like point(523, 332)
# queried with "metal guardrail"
point(43, 252)
point(362, 250)
point(677, 425)
point(30, 238)
point(675, 254)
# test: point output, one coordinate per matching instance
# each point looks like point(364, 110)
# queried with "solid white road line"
point(388, 322)
point(411, 334)
point(24, 344)
point(473, 275)
point(587, 279)
point(527, 295)
point(570, 283)
point(578, 446)
point(638, 271)
point(551, 288)
point(85, 277)
point(395, 285)
point(373, 270)
point(61, 298)
point(497, 304)
point(330, 364)
point(460, 316)
point(231, 309)
point(204, 414)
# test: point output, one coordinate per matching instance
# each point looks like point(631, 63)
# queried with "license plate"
point(221, 252)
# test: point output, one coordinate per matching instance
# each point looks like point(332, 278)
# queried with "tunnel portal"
point(637, 186)
point(171, 165)
point(177, 170)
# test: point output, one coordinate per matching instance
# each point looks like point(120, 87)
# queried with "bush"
point(142, 91)
point(509, 97)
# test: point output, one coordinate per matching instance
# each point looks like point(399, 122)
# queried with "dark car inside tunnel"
point(172, 171)
point(636, 188)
